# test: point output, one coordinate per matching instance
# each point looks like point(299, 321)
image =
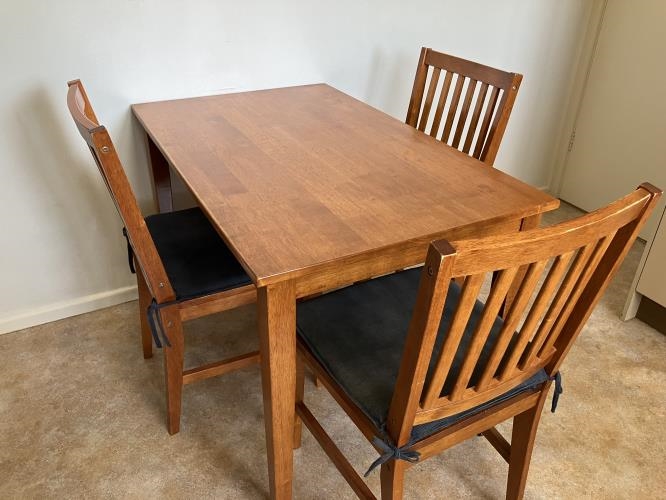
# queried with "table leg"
point(277, 337)
point(161, 177)
point(531, 222)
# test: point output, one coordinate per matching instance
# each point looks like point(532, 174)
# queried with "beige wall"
point(62, 252)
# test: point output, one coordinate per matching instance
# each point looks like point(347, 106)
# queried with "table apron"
point(341, 272)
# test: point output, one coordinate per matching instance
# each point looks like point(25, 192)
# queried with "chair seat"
point(196, 259)
point(358, 333)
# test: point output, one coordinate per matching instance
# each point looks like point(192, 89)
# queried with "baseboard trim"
point(67, 308)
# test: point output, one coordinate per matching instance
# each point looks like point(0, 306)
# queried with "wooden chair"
point(184, 269)
point(420, 363)
point(478, 134)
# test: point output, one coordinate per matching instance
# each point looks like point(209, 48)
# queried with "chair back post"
point(423, 327)
point(568, 267)
point(417, 90)
point(474, 104)
point(501, 120)
point(603, 274)
point(109, 165)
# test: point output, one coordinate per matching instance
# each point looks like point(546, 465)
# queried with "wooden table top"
point(300, 176)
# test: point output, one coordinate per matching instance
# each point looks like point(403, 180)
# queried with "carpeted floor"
point(82, 416)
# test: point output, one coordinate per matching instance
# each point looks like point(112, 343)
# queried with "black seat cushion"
point(196, 259)
point(358, 333)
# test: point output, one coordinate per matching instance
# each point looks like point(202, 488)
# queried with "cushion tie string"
point(130, 252)
point(155, 323)
point(391, 451)
point(558, 390)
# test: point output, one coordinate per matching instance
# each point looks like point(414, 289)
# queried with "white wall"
point(62, 252)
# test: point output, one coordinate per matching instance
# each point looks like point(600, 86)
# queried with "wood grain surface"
point(300, 176)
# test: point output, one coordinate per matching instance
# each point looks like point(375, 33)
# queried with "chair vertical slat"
point(480, 100)
point(453, 108)
point(511, 321)
point(434, 78)
point(440, 105)
point(485, 124)
point(546, 291)
point(557, 304)
point(460, 128)
point(470, 291)
point(586, 274)
point(490, 311)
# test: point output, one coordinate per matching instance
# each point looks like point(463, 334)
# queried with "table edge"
point(363, 256)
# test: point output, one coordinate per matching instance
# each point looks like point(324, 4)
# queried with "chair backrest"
point(561, 272)
point(106, 158)
point(488, 92)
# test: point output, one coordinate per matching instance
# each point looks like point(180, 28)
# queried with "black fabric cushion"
point(196, 259)
point(358, 335)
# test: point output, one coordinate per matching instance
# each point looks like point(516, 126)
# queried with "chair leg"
point(300, 391)
point(144, 301)
point(392, 478)
point(522, 442)
point(173, 366)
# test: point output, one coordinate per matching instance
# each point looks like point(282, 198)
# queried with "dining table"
point(312, 190)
